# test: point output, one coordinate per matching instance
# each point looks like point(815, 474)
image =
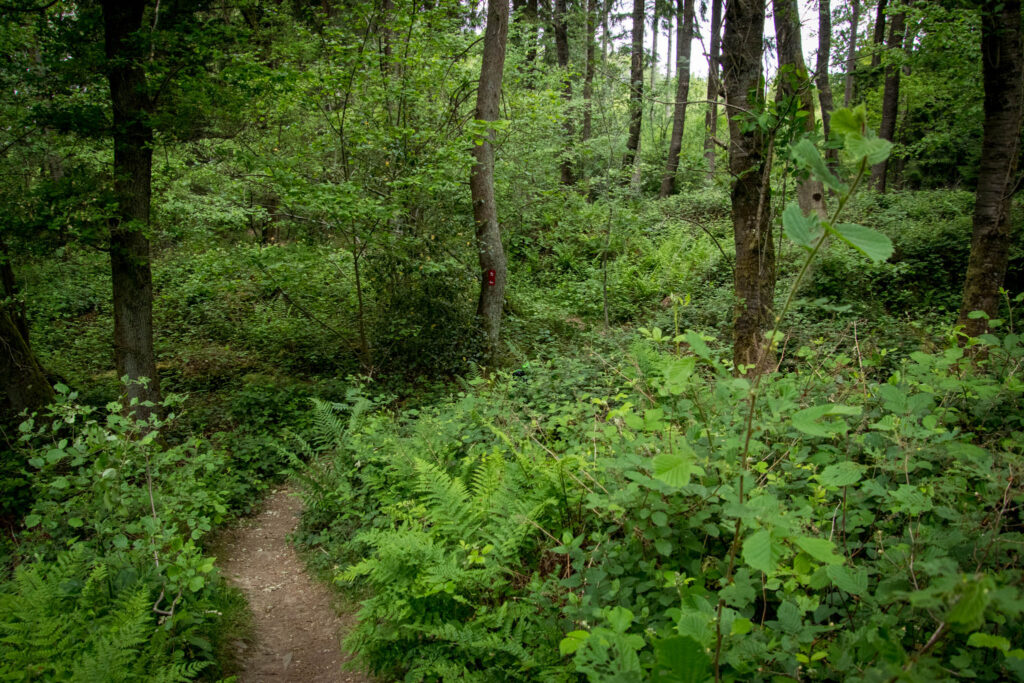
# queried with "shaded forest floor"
point(297, 629)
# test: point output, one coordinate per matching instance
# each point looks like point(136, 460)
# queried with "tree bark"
point(24, 383)
point(493, 265)
point(684, 23)
point(1003, 73)
point(822, 73)
point(878, 39)
point(751, 194)
point(636, 81)
point(890, 99)
point(588, 77)
point(129, 245)
point(851, 52)
point(795, 85)
point(711, 117)
point(562, 52)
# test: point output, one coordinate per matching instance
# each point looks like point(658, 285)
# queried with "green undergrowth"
point(583, 519)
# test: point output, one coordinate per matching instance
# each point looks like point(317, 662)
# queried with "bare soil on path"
point(297, 630)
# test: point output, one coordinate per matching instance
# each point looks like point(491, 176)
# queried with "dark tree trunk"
point(588, 77)
point(821, 72)
point(751, 193)
point(562, 52)
point(15, 309)
point(493, 265)
point(878, 38)
point(23, 380)
point(129, 245)
point(890, 99)
point(851, 52)
point(1002, 73)
point(684, 22)
point(636, 84)
point(711, 118)
point(795, 86)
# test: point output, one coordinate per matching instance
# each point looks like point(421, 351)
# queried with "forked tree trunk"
point(851, 52)
point(1003, 72)
point(493, 265)
point(129, 244)
point(795, 84)
point(636, 84)
point(711, 118)
point(588, 77)
point(890, 99)
point(562, 52)
point(821, 72)
point(684, 22)
point(751, 193)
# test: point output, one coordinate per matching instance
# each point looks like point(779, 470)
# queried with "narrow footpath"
point(298, 633)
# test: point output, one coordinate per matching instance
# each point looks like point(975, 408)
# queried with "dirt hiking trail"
point(297, 631)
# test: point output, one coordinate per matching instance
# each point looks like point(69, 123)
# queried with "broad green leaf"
point(809, 421)
point(807, 156)
point(573, 641)
point(802, 230)
point(697, 345)
point(874, 148)
point(32, 520)
point(680, 659)
point(675, 468)
point(841, 474)
point(741, 626)
point(663, 547)
point(821, 549)
point(987, 640)
point(677, 373)
point(853, 581)
point(620, 618)
point(970, 608)
point(871, 243)
point(849, 121)
point(757, 551)
point(196, 583)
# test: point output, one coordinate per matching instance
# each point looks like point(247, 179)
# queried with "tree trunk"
point(795, 85)
point(711, 118)
point(851, 52)
point(822, 75)
point(751, 193)
point(24, 383)
point(562, 51)
point(481, 180)
point(588, 77)
point(684, 22)
point(129, 245)
point(1002, 71)
point(636, 81)
point(878, 39)
point(890, 99)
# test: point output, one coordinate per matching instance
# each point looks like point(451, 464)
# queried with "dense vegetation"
point(564, 404)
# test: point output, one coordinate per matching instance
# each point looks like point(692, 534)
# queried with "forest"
point(597, 340)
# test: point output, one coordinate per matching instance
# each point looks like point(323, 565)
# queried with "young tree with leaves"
point(684, 24)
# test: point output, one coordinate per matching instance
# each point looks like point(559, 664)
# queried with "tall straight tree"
point(588, 76)
point(754, 271)
point(133, 164)
point(878, 38)
point(493, 266)
point(821, 75)
point(851, 52)
point(684, 24)
point(714, 69)
point(1003, 75)
point(795, 87)
point(562, 53)
point(636, 84)
point(890, 98)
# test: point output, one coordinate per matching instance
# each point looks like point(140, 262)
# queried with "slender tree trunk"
point(822, 72)
point(1003, 73)
point(493, 265)
point(15, 309)
point(655, 31)
point(588, 77)
point(562, 51)
point(890, 99)
point(530, 15)
point(751, 194)
point(129, 244)
point(851, 52)
point(684, 21)
point(711, 118)
point(878, 38)
point(795, 85)
point(636, 81)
